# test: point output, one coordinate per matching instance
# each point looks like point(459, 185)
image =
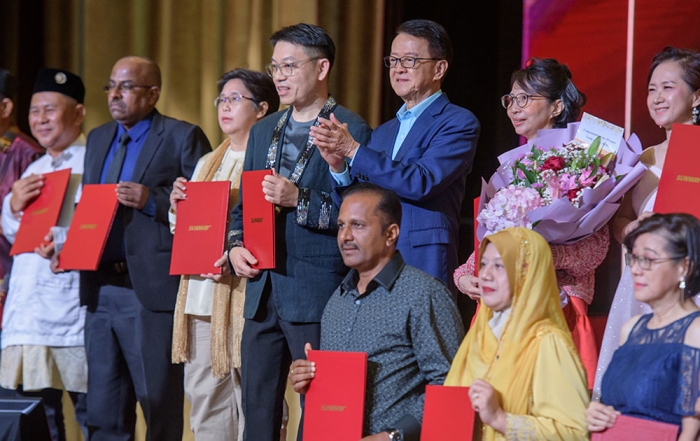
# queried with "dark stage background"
point(491, 40)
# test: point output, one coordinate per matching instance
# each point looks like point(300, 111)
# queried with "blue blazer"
point(171, 150)
point(308, 263)
point(429, 175)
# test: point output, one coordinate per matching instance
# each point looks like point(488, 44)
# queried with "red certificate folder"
point(335, 401)
point(447, 414)
point(629, 428)
point(42, 213)
point(258, 219)
point(200, 231)
point(89, 228)
point(679, 186)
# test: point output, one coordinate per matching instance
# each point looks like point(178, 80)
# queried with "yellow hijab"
point(507, 363)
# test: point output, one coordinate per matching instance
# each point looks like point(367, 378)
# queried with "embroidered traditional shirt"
point(43, 322)
point(17, 151)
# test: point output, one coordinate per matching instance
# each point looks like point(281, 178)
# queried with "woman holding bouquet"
point(653, 375)
point(526, 380)
point(543, 97)
point(209, 310)
point(673, 98)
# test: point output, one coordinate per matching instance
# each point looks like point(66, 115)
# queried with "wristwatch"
point(395, 435)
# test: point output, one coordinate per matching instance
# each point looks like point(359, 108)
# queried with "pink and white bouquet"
point(509, 208)
point(562, 188)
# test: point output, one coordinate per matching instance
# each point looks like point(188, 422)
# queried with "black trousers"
point(129, 359)
point(268, 346)
point(53, 405)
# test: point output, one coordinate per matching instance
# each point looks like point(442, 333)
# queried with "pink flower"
point(567, 182)
point(509, 208)
point(527, 162)
point(587, 178)
point(552, 181)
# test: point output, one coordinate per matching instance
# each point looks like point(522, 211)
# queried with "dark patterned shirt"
point(410, 328)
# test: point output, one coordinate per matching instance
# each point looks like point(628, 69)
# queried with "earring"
point(696, 114)
point(681, 285)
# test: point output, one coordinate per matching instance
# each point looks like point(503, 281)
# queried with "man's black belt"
point(115, 273)
point(114, 267)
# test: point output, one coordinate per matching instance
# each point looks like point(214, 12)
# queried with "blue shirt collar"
point(139, 130)
point(416, 110)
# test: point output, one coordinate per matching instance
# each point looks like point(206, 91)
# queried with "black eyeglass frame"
point(392, 62)
point(522, 100)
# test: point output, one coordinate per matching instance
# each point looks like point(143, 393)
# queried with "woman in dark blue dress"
point(655, 374)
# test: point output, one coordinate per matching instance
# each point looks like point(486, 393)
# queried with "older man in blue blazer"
point(424, 154)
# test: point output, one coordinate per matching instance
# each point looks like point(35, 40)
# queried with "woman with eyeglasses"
point(209, 310)
point(525, 378)
point(543, 96)
point(673, 97)
point(654, 373)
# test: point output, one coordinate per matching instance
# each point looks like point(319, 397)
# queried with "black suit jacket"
point(171, 149)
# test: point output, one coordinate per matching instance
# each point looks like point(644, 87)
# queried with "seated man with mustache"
point(403, 318)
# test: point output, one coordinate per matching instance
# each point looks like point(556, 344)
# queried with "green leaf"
point(593, 149)
point(530, 177)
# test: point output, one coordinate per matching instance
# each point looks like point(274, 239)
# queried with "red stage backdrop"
point(591, 37)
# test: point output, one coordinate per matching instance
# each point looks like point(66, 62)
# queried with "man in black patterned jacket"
point(283, 306)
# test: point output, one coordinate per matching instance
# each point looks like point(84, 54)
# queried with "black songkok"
point(61, 81)
point(7, 84)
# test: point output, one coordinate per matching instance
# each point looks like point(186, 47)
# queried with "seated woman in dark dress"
point(655, 374)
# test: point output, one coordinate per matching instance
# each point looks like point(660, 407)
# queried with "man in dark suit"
point(131, 297)
point(283, 306)
point(424, 154)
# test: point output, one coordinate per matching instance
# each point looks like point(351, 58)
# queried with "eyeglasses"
point(124, 87)
point(521, 99)
point(646, 263)
point(233, 98)
point(406, 62)
point(287, 69)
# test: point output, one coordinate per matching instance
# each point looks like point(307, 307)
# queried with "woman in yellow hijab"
point(525, 377)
